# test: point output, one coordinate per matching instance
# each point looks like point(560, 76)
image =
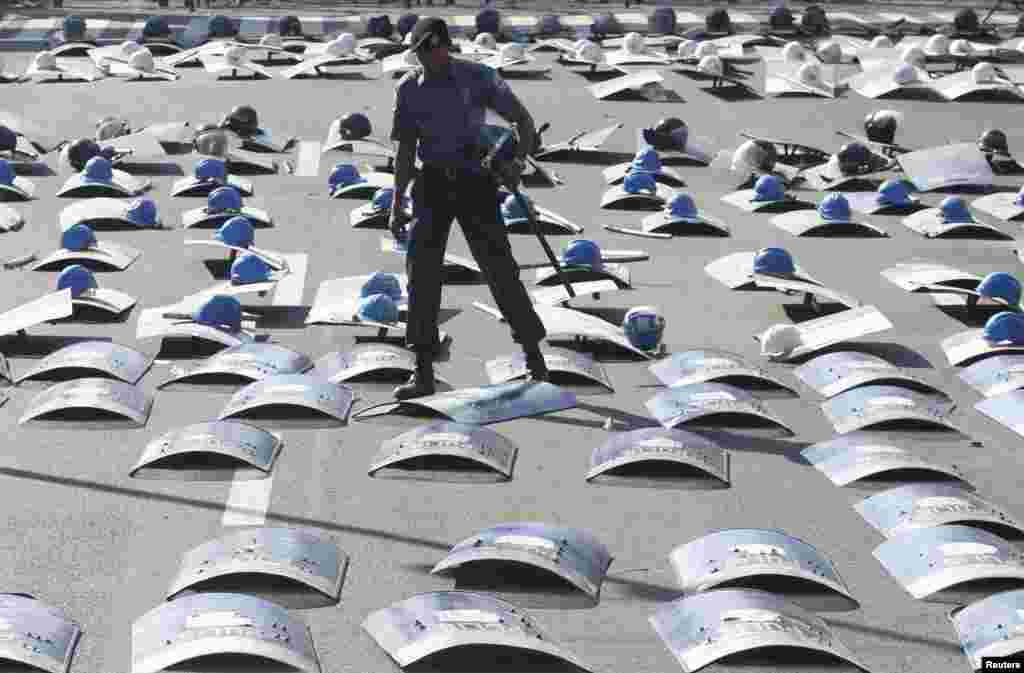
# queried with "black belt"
point(450, 172)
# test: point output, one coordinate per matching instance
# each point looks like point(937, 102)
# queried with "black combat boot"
point(421, 383)
point(536, 367)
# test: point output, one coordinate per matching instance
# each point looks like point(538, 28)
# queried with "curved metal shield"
point(368, 216)
point(927, 560)
point(704, 401)
point(617, 198)
point(929, 223)
point(486, 404)
point(372, 181)
point(197, 451)
point(736, 271)
point(959, 84)
point(368, 146)
point(190, 186)
point(547, 220)
point(703, 628)
point(206, 624)
point(996, 375)
point(289, 553)
point(668, 445)
point(590, 141)
point(991, 627)
point(94, 394)
point(619, 273)
point(122, 185)
point(572, 554)
point(264, 141)
point(874, 405)
point(337, 301)
point(563, 322)
point(630, 82)
point(836, 328)
point(614, 175)
point(292, 390)
point(20, 189)
point(1001, 205)
point(95, 357)
point(426, 624)
point(113, 255)
point(371, 358)
point(701, 366)
point(97, 213)
point(442, 439)
point(789, 285)
point(868, 203)
point(959, 165)
point(219, 65)
point(971, 345)
point(200, 217)
point(913, 276)
point(36, 635)
point(10, 219)
point(856, 456)
point(153, 325)
point(557, 295)
point(744, 200)
point(276, 260)
point(809, 223)
point(898, 510)
point(250, 361)
point(561, 363)
point(742, 554)
point(879, 79)
point(53, 306)
point(1006, 409)
point(835, 373)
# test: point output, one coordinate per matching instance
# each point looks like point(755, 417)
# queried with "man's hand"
point(397, 223)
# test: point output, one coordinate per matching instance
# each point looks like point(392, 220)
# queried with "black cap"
point(432, 31)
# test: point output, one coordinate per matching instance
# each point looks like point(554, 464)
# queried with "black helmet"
point(354, 126)
point(814, 19)
point(406, 23)
point(242, 119)
point(853, 158)
point(781, 17)
point(156, 26)
point(379, 26)
point(8, 139)
point(211, 140)
point(662, 20)
point(994, 141)
point(80, 151)
point(488, 20)
point(289, 26)
point(880, 127)
point(718, 21)
point(664, 134)
point(966, 21)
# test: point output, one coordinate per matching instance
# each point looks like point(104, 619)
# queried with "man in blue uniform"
point(439, 112)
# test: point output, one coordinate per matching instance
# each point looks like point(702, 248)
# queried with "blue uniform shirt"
point(446, 114)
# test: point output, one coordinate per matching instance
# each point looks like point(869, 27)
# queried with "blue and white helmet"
point(953, 210)
point(378, 308)
point(1005, 327)
point(637, 182)
point(237, 231)
point(644, 327)
point(380, 282)
point(1001, 286)
point(343, 175)
point(220, 310)
point(835, 207)
point(250, 269)
point(583, 253)
point(77, 238)
point(77, 278)
point(646, 161)
point(774, 261)
point(142, 213)
point(224, 200)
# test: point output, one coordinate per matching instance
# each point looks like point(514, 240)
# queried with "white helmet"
point(686, 49)
point(633, 43)
point(778, 341)
point(272, 40)
point(937, 45)
point(234, 54)
point(983, 73)
point(343, 45)
point(705, 49)
point(45, 60)
point(905, 74)
point(913, 54)
point(512, 52)
point(830, 52)
point(793, 51)
point(711, 65)
point(591, 53)
point(129, 47)
point(111, 127)
point(810, 73)
point(485, 41)
point(961, 48)
point(881, 42)
point(751, 157)
point(142, 60)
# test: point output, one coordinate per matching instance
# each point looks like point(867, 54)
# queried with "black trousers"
point(438, 197)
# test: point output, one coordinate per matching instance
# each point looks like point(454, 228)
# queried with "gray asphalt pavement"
point(84, 536)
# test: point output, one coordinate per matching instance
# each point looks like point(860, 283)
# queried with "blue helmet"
point(211, 169)
point(769, 188)
point(250, 269)
point(584, 253)
point(222, 26)
point(379, 26)
point(1000, 285)
point(662, 20)
point(78, 237)
point(220, 310)
point(237, 231)
point(644, 327)
point(383, 198)
point(77, 278)
point(406, 23)
point(637, 182)
point(894, 193)
point(343, 175)
point(73, 27)
point(224, 200)
point(156, 26)
point(488, 21)
point(512, 211)
point(378, 308)
point(682, 207)
point(773, 260)
point(6, 173)
point(605, 24)
point(380, 282)
point(646, 160)
point(98, 169)
point(142, 213)
point(8, 139)
point(834, 208)
point(550, 24)
point(1005, 327)
point(953, 210)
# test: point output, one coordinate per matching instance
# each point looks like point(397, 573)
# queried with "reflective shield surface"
point(113, 255)
point(444, 438)
point(995, 375)
point(705, 401)
point(250, 450)
point(560, 361)
point(701, 366)
point(971, 344)
point(251, 361)
point(372, 358)
point(91, 394)
point(53, 306)
point(856, 456)
point(874, 405)
point(911, 276)
point(36, 635)
point(958, 165)
point(836, 328)
point(898, 510)
point(106, 357)
point(665, 445)
point(834, 373)
point(991, 627)
point(292, 390)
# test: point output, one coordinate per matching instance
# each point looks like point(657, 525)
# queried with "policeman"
point(439, 113)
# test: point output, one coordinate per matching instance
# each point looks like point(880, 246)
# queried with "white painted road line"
point(248, 502)
point(308, 159)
